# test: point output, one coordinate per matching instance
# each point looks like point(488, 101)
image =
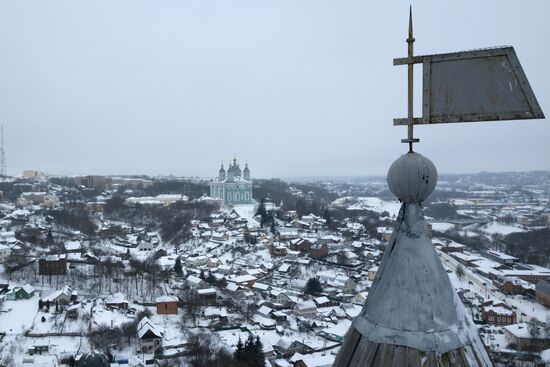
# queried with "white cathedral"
point(234, 186)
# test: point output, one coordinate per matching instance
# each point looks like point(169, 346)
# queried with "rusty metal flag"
point(469, 86)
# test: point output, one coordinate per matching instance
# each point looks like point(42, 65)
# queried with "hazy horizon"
point(297, 89)
point(299, 178)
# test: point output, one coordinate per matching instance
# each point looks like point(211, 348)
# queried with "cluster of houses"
point(505, 272)
point(24, 292)
point(217, 274)
point(513, 300)
point(297, 284)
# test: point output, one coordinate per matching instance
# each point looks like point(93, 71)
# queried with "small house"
point(24, 292)
point(195, 282)
point(243, 280)
point(72, 311)
point(313, 360)
point(116, 301)
point(72, 247)
point(305, 309)
point(277, 249)
point(322, 301)
point(318, 250)
point(287, 346)
point(300, 244)
point(149, 337)
point(264, 311)
point(284, 299)
point(53, 265)
point(207, 295)
point(61, 297)
point(497, 313)
point(213, 262)
point(167, 305)
point(218, 313)
point(146, 246)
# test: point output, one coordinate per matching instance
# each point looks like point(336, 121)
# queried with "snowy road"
point(525, 309)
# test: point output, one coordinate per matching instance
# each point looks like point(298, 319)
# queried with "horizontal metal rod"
point(404, 121)
point(405, 60)
point(460, 55)
point(468, 118)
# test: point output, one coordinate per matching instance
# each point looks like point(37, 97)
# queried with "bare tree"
point(104, 337)
point(534, 330)
point(460, 271)
point(248, 308)
point(192, 306)
point(203, 351)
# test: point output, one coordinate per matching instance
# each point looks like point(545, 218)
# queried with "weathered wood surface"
point(362, 353)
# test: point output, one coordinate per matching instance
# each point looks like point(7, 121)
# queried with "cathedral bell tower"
point(222, 173)
point(246, 172)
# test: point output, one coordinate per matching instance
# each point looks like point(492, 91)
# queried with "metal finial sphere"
point(412, 177)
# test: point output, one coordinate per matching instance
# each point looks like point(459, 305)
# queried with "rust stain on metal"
point(471, 86)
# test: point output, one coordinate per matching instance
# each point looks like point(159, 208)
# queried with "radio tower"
point(3, 167)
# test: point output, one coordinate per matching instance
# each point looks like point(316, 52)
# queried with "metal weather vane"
point(468, 86)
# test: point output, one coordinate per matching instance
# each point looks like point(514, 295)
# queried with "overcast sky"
point(296, 88)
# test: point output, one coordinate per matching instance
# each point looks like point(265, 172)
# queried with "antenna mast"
point(3, 167)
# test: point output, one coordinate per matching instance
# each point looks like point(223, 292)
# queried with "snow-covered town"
point(274, 183)
point(135, 271)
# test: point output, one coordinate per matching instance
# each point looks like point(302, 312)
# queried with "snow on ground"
point(493, 337)
point(526, 309)
point(269, 338)
point(17, 316)
point(173, 335)
point(65, 344)
point(230, 337)
point(469, 233)
point(499, 228)
point(442, 226)
point(378, 205)
point(247, 211)
point(164, 322)
point(167, 262)
point(37, 360)
point(104, 316)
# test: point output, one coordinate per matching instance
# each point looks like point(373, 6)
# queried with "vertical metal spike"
point(410, 22)
point(410, 42)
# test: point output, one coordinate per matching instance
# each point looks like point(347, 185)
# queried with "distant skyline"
point(296, 89)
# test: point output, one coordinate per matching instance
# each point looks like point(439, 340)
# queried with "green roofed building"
point(233, 186)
